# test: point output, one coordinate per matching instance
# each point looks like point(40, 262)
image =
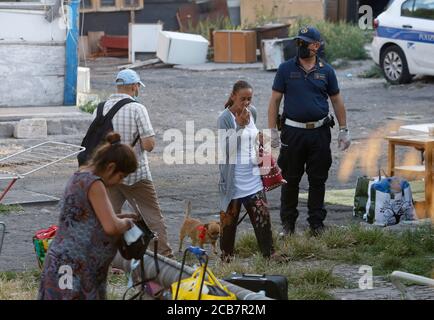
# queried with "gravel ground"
point(175, 96)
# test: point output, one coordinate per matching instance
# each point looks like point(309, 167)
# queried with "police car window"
point(407, 8)
point(424, 9)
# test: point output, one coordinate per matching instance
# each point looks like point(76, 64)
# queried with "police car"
point(403, 44)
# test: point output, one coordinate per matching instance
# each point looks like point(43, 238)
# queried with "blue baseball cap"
point(128, 76)
point(309, 34)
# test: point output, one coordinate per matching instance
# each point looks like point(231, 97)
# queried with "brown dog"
point(199, 232)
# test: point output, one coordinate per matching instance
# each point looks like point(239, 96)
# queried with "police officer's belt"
point(306, 125)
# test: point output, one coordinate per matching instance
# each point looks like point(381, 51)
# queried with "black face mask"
point(303, 51)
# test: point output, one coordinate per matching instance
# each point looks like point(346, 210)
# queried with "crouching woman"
point(240, 182)
point(78, 259)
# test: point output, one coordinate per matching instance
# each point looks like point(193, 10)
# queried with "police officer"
point(306, 82)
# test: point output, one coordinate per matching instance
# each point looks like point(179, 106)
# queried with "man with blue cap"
point(133, 124)
point(307, 83)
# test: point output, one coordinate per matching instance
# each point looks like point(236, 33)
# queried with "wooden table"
point(423, 141)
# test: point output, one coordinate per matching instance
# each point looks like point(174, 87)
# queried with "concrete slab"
point(211, 66)
point(31, 128)
point(19, 113)
point(60, 120)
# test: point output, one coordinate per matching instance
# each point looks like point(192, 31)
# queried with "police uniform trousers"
point(304, 150)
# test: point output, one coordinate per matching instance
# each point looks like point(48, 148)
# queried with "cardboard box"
point(182, 48)
point(233, 46)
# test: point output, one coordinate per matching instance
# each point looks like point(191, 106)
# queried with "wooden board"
point(234, 46)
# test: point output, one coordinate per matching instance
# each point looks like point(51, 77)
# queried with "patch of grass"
point(89, 106)
point(19, 285)
point(319, 277)
point(302, 247)
point(6, 209)
point(246, 245)
point(25, 285)
point(342, 40)
point(309, 292)
point(338, 238)
point(374, 72)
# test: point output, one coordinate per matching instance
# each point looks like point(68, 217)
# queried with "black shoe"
point(318, 230)
point(288, 229)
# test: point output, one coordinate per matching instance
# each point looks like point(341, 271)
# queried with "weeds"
point(89, 107)
point(6, 209)
point(342, 40)
point(205, 27)
point(374, 73)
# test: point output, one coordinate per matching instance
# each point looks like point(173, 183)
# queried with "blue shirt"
point(306, 93)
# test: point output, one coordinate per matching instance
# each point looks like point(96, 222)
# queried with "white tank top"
point(247, 178)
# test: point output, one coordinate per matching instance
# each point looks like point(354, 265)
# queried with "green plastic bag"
point(361, 196)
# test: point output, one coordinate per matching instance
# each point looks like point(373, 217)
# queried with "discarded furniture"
point(2, 234)
point(276, 51)
point(142, 38)
point(181, 48)
point(425, 172)
point(23, 163)
point(397, 278)
point(415, 129)
point(270, 31)
point(114, 46)
point(234, 46)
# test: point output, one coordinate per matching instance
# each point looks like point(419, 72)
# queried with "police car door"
point(418, 17)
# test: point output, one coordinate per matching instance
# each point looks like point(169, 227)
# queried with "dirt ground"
point(175, 96)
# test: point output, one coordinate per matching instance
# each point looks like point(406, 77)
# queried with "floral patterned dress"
point(78, 259)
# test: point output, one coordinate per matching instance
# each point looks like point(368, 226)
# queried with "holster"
point(330, 121)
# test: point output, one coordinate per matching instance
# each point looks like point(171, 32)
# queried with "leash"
point(242, 218)
point(142, 283)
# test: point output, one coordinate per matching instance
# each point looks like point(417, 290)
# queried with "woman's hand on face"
point(242, 118)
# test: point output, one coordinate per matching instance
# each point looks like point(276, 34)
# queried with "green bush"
point(204, 27)
point(342, 40)
point(89, 107)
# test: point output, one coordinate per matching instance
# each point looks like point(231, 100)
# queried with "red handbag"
point(270, 172)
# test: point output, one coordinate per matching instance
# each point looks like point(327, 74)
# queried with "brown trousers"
point(143, 192)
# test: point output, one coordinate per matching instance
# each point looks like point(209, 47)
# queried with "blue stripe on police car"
point(406, 35)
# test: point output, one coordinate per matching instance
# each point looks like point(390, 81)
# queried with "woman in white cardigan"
point(240, 182)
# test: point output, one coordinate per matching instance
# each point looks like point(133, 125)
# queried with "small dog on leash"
point(200, 233)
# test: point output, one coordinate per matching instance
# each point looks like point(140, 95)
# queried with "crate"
point(234, 46)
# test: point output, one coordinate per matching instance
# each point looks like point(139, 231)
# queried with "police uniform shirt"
point(306, 93)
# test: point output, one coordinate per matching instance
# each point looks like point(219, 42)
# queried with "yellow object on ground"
point(189, 288)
